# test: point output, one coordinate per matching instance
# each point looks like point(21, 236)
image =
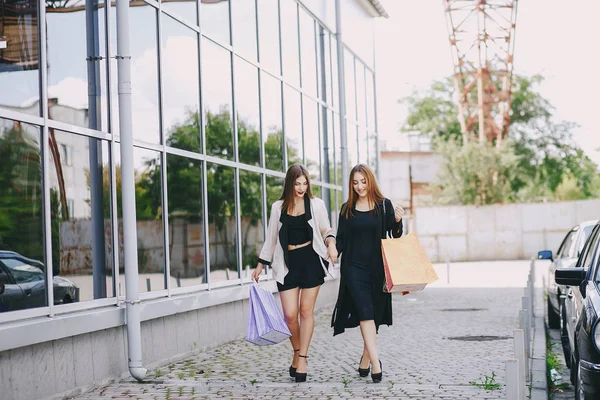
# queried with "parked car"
point(582, 317)
point(566, 256)
point(23, 284)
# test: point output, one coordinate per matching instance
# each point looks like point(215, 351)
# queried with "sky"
point(552, 38)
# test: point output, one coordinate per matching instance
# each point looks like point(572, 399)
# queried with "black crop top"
point(298, 229)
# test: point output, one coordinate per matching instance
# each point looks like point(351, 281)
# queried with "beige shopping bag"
point(406, 265)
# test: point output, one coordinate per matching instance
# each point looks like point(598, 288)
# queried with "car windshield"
point(23, 273)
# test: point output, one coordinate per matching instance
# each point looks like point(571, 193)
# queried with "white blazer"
point(272, 250)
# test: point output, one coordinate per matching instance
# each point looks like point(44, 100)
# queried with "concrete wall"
point(46, 369)
point(498, 232)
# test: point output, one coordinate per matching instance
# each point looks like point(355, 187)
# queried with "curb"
point(539, 383)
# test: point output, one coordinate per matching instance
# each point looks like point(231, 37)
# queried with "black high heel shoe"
point(293, 369)
point(301, 376)
point(363, 372)
point(377, 377)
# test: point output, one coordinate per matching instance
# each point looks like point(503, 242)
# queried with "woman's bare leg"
point(369, 334)
point(308, 299)
point(289, 302)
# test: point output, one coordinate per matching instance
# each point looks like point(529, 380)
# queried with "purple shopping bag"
point(266, 325)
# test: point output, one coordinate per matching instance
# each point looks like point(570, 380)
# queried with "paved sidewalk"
point(422, 358)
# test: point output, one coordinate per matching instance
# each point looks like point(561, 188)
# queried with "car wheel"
point(553, 317)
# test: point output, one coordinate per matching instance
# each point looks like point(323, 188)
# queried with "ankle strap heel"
point(301, 376)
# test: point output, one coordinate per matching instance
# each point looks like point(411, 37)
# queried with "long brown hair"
point(374, 194)
point(294, 172)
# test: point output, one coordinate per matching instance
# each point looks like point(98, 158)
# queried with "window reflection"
point(309, 56)
point(184, 9)
point(186, 228)
point(243, 15)
point(216, 91)
point(215, 19)
point(361, 94)
point(370, 91)
point(21, 224)
point(81, 218)
point(363, 146)
point(181, 88)
point(252, 220)
point(271, 122)
point(68, 75)
point(289, 41)
point(293, 125)
point(350, 78)
point(150, 235)
point(144, 74)
point(248, 112)
point(222, 226)
point(19, 61)
point(268, 35)
point(311, 137)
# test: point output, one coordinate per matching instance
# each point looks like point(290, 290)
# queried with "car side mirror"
point(545, 255)
point(570, 276)
point(2, 287)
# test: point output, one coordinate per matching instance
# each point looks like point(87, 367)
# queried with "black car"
point(582, 318)
point(23, 284)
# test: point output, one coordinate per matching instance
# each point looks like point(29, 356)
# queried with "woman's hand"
point(399, 212)
point(257, 272)
point(332, 251)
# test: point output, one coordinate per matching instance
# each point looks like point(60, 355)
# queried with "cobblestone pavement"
point(421, 357)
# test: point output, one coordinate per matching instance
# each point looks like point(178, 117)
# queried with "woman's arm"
point(393, 226)
point(266, 253)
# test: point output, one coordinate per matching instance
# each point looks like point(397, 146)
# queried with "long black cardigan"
point(344, 314)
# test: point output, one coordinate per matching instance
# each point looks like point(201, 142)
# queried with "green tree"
point(543, 149)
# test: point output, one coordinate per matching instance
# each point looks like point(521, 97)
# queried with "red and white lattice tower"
point(482, 39)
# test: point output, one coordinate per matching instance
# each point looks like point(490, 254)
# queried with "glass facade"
point(226, 95)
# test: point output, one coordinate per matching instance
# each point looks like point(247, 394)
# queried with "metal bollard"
point(148, 285)
point(512, 384)
point(519, 342)
point(526, 328)
point(525, 305)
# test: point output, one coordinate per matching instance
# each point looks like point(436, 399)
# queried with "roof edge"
point(379, 7)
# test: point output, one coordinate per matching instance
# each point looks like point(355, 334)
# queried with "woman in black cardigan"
point(365, 219)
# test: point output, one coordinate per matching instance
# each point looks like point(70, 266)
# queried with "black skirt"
point(305, 270)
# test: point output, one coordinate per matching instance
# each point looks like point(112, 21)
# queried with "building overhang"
point(381, 12)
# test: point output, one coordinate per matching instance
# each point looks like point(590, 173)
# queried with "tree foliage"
point(545, 162)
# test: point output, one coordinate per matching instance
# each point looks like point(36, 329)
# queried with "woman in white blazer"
point(299, 247)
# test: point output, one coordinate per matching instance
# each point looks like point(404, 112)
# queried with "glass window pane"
point(150, 234)
point(327, 154)
point(247, 112)
point(338, 149)
point(350, 75)
point(370, 94)
point(293, 125)
point(186, 10)
point(181, 87)
point(80, 203)
point(268, 34)
point(271, 121)
point(144, 74)
point(252, 220)
point(222, 228)
point(363, 144)
point(373, 153)
point(274, 191)
point(215, 20)
point(68, 77)
point(361, 95)
point(334, 73)
point(21, 209)
point(19, 60)
point(186, 228)
point(352, 136)
point(216, 92)
point(243, 15)
point(311, 137)
point(309, 55)
point(289, 41)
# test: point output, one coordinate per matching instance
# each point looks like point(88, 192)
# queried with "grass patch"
point(487, 383)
